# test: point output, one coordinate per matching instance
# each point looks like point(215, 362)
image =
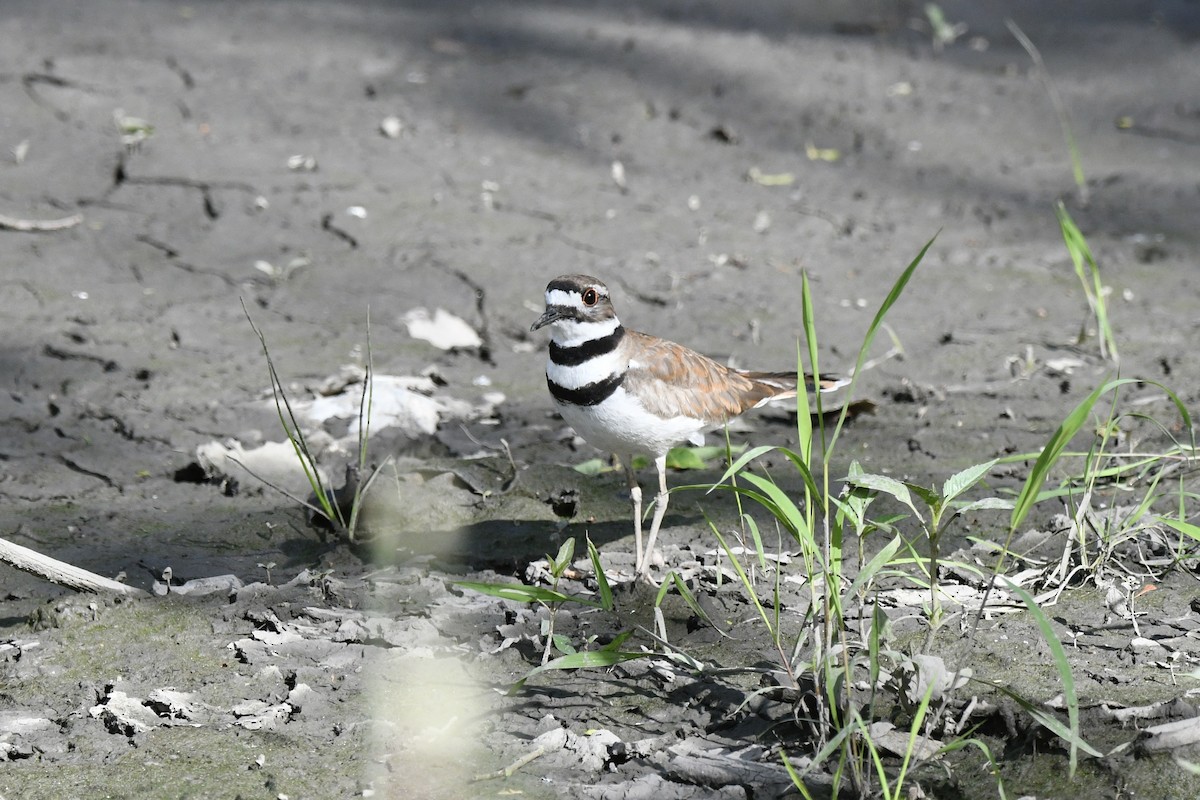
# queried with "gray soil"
point(361, 670)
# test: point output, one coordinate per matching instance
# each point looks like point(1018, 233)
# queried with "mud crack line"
point(485, 350)
point(75, 466)
point(172, 256)
point(327, 225)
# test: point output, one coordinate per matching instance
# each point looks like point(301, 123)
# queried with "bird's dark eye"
point(590, 297)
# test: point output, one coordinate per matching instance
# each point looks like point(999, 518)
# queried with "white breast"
point(621, 424)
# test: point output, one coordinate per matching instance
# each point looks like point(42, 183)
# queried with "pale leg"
point(635, 497)
point(660, 510)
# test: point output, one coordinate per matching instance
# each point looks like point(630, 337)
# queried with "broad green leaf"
point(959, 482)
point(563, 560)
point(585, 659)
point(887, 485)
point(928, 496)
point(594, 466)
point(697, 457)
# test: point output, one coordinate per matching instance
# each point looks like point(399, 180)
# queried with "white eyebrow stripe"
point(574, 299)
point(558, 297)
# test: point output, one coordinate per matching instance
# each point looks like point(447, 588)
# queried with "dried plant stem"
point(38, 225)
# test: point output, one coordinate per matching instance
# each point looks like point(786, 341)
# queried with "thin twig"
point(507, 772)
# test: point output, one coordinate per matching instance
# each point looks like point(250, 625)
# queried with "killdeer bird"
point(632, 393)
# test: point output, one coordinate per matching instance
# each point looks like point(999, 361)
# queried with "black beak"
point(551, 315)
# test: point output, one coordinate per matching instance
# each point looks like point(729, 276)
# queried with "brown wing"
point(673, 380)
point(829, 382)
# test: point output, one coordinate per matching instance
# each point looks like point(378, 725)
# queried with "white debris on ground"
point(406, 402)
point(441, 329)
point(274, 462)
point(410, 404)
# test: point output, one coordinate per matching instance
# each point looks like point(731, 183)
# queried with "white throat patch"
point(572, 333)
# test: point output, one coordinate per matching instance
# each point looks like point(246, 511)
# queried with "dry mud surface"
point(756, 141)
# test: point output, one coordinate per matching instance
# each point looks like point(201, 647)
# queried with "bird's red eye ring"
point(590, 297)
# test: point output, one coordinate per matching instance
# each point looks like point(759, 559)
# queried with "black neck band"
point(591, 394)
point(574, 356)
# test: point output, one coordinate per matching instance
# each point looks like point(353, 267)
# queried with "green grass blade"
point(1060, 109)
point(745, 458)
point(835, 744)
point(744, 578)
point(740, 491)
point(880, 560)
point(872, 329)
point(688, 598)
point(885, 789)
point(797, 781)
point(738, 466)
point(1074, 741)
point(756, 536)
point(804, 428)
point(810, 482)
point(1085, 268)
point(602, 584)
point(994, 768)
point(914, 730)
point(1053, 449)
point(295, 435)
point(1186, 528)
point(784, 509)
point(524, 594)
point(365, 402)
point(1182, 409)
